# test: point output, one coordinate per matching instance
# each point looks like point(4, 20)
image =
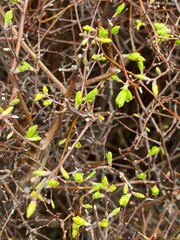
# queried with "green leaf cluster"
point(32, 135)
point(135, 56)
point(24, 66)
point(80, 221)
point(91, 95)
point(119, 10)
point(103, 35)
point(162, 31)
point(98, 57)
point(88, 28)
point(123, 96)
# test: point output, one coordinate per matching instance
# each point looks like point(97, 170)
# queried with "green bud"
point(52, 183)
point(114, 212)
point(31, 209)
point(104, 223)
point(155, 190)
point(80, 221)
point(154, 151)
point(78, 177)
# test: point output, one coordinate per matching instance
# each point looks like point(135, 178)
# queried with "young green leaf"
point(102, 58)
point(109, 158)
point(105, 40)
point(142, 176)
point(96, 56)
point(8, 18)
point(78, 99)
point(33, 194)
point(39, 196)
point(45, 89)
point(103, 33)
point(105, 181)
point(125, 189)
point(141, 77)
point(119, 10)
point(15, 101)
point(136, 115)
point(158, 70)
point(162, 31)
point(64, 173)
point(74, 232)
point(91, 95)
point(141, 66)
point(97, 195)
point(38, 186)
point(135, 56)
point(115, 29)
point(41, 173)
point(88, 28)
point(155, 190)
point(52, 204)
point(84, 42)
point(104, 223)
point(52, 183)
point(87, 206)
point(128, 95)
point(7, 111)
point(115, 78)
point(123, 96)
point(138, 24)
point(177, 42)
point(31, 131)
point(35, 138)
point(38, 97)
point(154, 151)
point(31, 209)
point(101, 118)
point(155, 88)
point(123, 201)
point(147, 129)
point(80, 221)
point(78, 145)
point(91, 175)
point(111, 188)
point(138, 195)
point(97, 187)
point(114, 212)
point(160, 27)
point(24, 66)
point(62, 141)
point(78, 177)
point(47, 102)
